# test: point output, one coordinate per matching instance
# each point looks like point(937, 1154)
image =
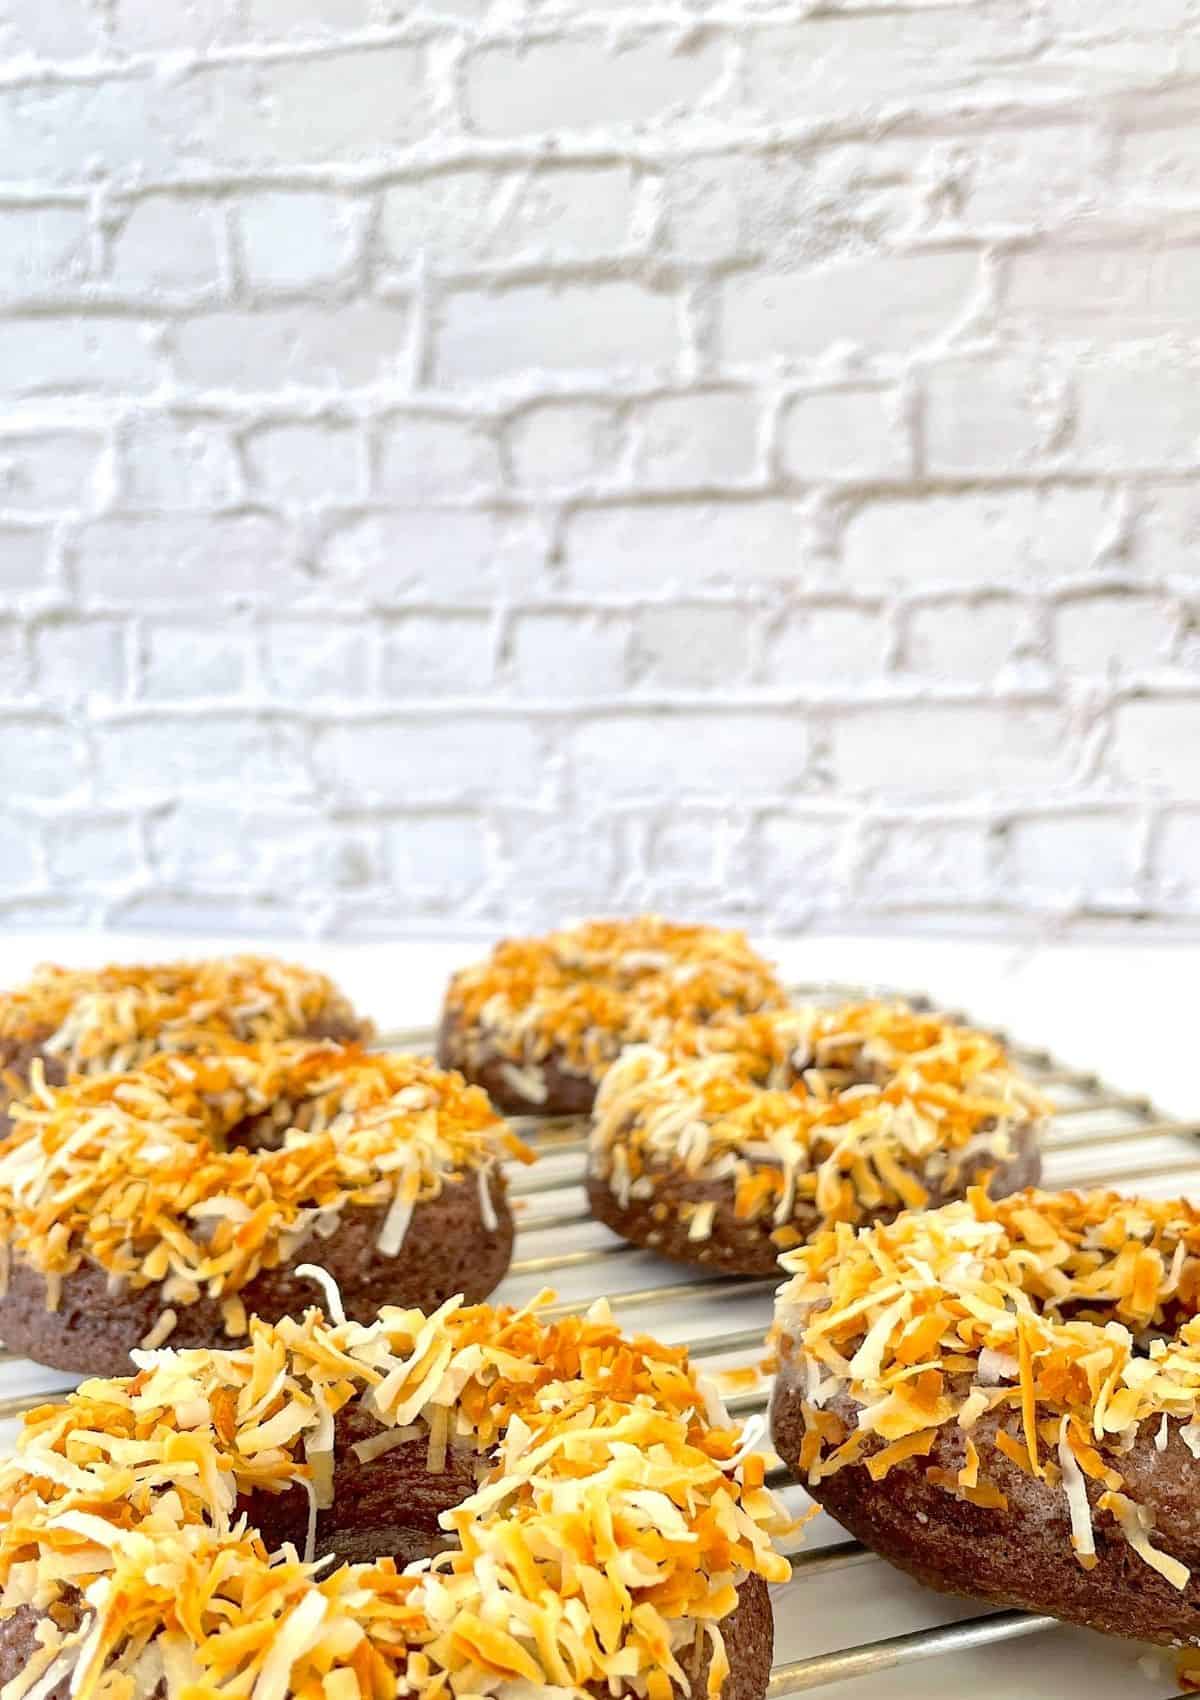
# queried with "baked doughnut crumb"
point(141, 1172)
point(1071, 1318)
point(616, 1513)
point(573, 998)
point(113, 1018)
point(807, 1115)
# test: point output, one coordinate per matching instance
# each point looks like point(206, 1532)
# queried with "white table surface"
point(1126, 1010)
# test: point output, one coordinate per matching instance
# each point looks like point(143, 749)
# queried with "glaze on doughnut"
point(168, 1202)
point(538, 1023)
point(595, 1523)
point(748, 1135)
point(1004, 1400)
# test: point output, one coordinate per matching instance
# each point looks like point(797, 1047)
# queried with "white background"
point(465, 462)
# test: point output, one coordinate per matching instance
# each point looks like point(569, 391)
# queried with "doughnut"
point(747, 1136)
point(1003, 1398)
point(516, 1507)
point(170, 1201)
point(100, 1020)
point(539, 1022)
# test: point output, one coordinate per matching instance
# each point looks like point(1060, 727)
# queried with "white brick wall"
point(468, 461)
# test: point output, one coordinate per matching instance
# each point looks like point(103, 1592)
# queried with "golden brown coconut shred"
point(1038, 1304)
point(617, 1513)
point(586, 991)
point(102, 1019)
point(131, 1170)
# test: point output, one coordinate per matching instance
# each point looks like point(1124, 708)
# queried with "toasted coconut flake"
point(996, 1289)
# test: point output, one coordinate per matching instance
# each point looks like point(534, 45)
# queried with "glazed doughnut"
point(590, 1521)
point(101, 1020)
point(1004, 1400)
point(540, 1020)
point(748, 1135)
point(169, 1202)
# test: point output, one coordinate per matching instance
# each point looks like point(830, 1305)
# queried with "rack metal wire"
point(1098, 1136)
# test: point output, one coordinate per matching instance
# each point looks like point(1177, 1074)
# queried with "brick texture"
point(469, 463)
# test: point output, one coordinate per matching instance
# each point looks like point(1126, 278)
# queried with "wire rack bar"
point(801, 1676)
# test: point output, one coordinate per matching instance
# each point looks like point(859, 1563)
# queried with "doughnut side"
point(16, 1060)
point(567, 1092)
point(1021, 1555)
point(743, 1246)
point(448, 1249)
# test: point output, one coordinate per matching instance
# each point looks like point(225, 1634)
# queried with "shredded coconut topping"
point(106, 1019)
point(839, 1114)
point(1087, 1302)
point(143, 1173)
point(584, 993)
point(616, 1515)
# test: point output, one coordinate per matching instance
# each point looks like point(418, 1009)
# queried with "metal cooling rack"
point(1098, 1136)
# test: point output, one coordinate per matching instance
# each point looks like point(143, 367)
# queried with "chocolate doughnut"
point(171, 1201)
point(1003, 1399)
point(749, 1135)
point(578, 1514)
point(538, 1023)
point(103, 1020)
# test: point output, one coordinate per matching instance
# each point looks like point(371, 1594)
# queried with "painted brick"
point(69, 29)
point(567, 655)
point(963, 641)
point(1113, 633)
point(39, 759)
point(294, 241)
point(168, 247)
point(310, 346)
point(652, 549)
point(43, 250)
point(180, 663)
point(918, 751)
point(937, 862)
point(437, 655)
point(414, 555)
point(801, 855)
point(18, 853)
point(438, 856)
point(305, 464)
point(558, 870)
point(846, 434)
point(137, 759)
point(615, 326)
point(559, 444)
point(23, 552)
point(1114, 293)
point(825, 648)
point(319, 658)
point(1016, 537)
point(1158, 162)
point(1156, 744)
point(828, 65)
point(702, 646)
point(1169, 530)
point(426, 459)
point(181, 558)
point(141, 25)
point(1078, 856)
point(76, 659)
point(401, 761)
point(991, 415)
point(800, 315)
point(467, 219)
point(52, 354)
point(1130, 417)
point(49, 470)
point(298, 111)
point(308, 18)
point(1177, 856)
point(176, 462)
point(587, 81)
point(703, 440)
point(83, 851)
point(640, 756)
